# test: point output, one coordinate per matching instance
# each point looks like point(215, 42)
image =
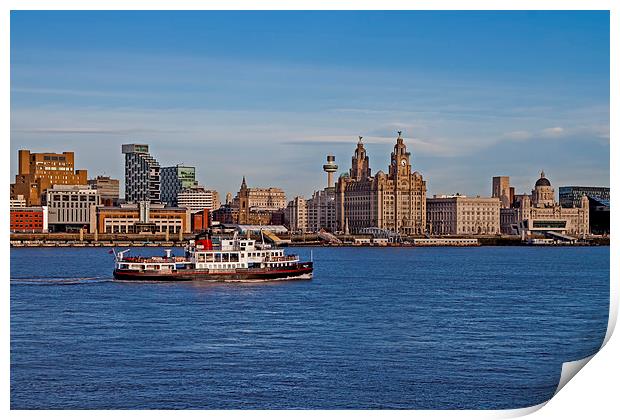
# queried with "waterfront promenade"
point(21, 240)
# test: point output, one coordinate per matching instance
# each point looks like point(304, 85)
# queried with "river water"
point(389, 328)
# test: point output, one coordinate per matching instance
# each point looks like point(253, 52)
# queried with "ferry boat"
point(227, 260)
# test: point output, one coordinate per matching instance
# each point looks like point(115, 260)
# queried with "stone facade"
point(539, 212)
point(461, 215)
point(395, 201)
point(258, 200)
point(322, 210)
point(501, 189)
point(296, 215)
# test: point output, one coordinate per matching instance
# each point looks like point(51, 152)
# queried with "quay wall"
point(102, 240)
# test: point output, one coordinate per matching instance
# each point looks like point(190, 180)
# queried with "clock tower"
point(399, 164)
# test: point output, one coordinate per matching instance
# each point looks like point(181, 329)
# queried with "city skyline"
point(477, 94)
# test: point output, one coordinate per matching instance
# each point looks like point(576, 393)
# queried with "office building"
point(296, 215)
point(598, 205)
point(258, 200)
point(321, 209)
point(394, 201)
point(108, 189)
point(198, 198)
point(143, 217)
point(69, 207)
point(226, 214)
point(539, 214)
point(39, 171)
point(142, 174)
point(29, 219)
point(174, 179)
point(462, 215)
point(571, 196)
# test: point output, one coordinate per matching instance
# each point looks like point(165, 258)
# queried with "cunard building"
point(394, 201)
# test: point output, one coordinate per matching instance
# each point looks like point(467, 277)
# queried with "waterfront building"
point(462, 215)
point(108, 189)
point(296, 215)
point(200, 220)
point(265, 217)
point(571, 196)
point(142, 174)
point(395, 201)
point(226, 214)
point(501, 189)
point(143, 217)
point(174, 179)
point(198, 198)
point(321, 209)
point(599, 216)
point(39, 171)
point(258, 200)
point(598, 205)
point(539, 213)
point(69, 206)
point(18, 201)
point(29, 219)
point(229, 198)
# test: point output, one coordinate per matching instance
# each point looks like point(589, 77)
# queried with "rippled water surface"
point(376, 328)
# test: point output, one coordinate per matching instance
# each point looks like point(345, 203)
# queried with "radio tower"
point(330, 167)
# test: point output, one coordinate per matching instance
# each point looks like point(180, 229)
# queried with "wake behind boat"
point(233, 259)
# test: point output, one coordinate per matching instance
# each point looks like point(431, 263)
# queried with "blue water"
point(433, 328)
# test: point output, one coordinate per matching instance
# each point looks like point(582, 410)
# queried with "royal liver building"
point(395, 201)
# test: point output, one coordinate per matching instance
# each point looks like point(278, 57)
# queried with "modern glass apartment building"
point(175, 179)
point(142, 174)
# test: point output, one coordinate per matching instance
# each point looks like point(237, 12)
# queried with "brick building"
point(39, 171)
point(29, 219)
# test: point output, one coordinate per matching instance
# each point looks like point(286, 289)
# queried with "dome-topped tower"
point(542, 181)
point(543, 194)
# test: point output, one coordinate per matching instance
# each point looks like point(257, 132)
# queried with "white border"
point(593, 394)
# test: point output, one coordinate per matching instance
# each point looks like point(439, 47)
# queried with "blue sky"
point(269, 94)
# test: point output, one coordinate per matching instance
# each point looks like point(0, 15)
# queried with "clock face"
point(403, 162)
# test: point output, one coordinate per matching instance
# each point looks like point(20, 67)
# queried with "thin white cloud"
point(83, 130)
point(79, 92)
point(517, 135)
point(553, 132)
